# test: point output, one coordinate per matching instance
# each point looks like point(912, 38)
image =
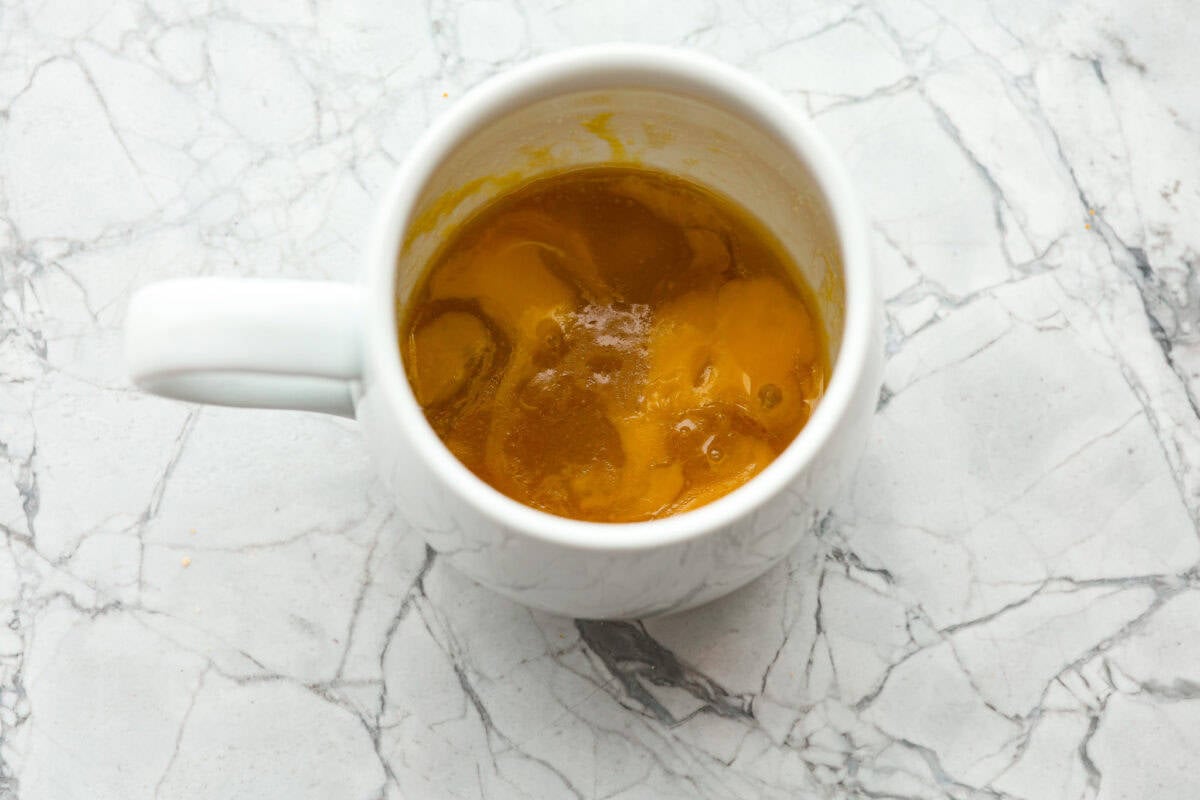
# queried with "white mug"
point(330, 347)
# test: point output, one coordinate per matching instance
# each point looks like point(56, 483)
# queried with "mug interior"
point(682, 134)
point(639, 106)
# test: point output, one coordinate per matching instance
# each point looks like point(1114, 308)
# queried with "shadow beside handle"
point(247, 342)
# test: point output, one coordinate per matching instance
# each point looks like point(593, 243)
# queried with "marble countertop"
point(209, 603)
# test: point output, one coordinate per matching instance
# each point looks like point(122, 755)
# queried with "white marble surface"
point(202, 603)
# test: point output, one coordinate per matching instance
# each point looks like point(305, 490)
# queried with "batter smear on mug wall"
point(614, 344)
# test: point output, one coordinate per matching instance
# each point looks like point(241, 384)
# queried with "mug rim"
point(600, 68)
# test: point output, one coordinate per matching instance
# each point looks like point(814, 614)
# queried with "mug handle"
point(248, 342)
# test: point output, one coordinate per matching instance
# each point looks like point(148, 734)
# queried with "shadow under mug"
point(330, 347)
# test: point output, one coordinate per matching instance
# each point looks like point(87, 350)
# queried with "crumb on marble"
point(445, 94)
point(186, 561)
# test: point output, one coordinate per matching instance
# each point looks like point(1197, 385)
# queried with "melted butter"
point(601, 127)
point(613, 344)
point(444, 204)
